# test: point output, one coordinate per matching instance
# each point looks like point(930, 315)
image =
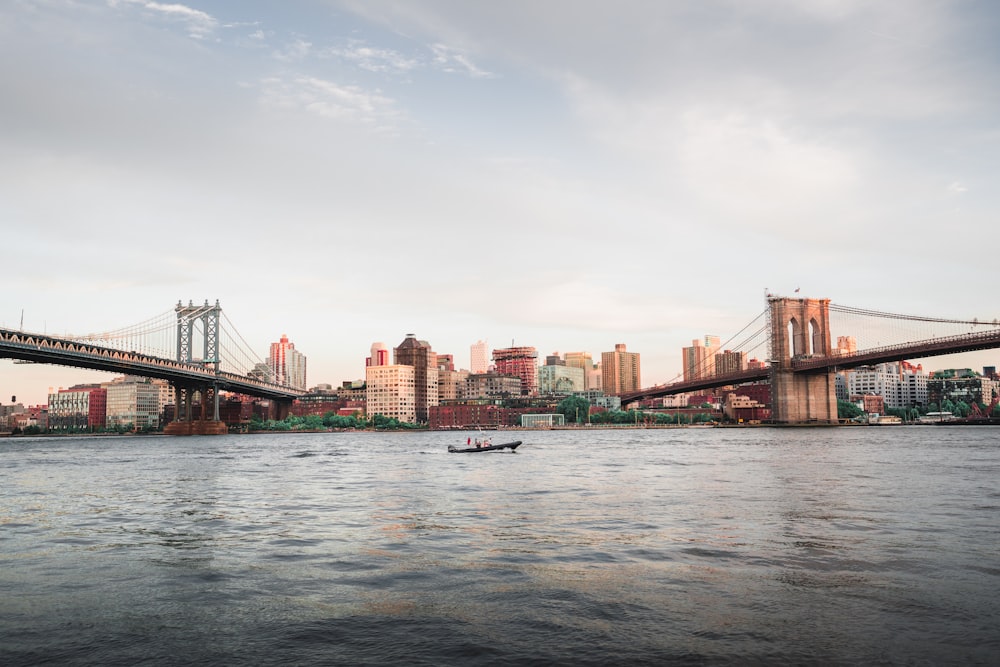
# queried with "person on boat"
point(468, 441)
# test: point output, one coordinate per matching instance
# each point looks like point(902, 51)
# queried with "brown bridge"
point(802, 364)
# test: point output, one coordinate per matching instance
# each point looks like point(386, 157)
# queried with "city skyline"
point(554, 173)
point(378, 353)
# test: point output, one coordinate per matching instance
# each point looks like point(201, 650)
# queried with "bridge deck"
point(970, 342)
point(43, 349)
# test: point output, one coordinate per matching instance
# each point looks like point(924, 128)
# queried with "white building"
point(391, 391)
point(542, 421)
point(900, 384)
point(69, 409)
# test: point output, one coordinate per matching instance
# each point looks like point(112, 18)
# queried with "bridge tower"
point(186, 421)
point(800, 328)
point(186, 318)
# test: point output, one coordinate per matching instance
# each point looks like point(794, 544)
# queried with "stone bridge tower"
point(800, 328)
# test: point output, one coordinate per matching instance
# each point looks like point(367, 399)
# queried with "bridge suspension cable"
point(756, 342)
point(158, 336)
point(239, 354)
point(154, 336)
point(850, 310)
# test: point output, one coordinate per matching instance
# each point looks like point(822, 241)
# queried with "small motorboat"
point(484, 446)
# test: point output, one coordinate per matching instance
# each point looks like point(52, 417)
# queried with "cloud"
point(757, 165)
point(199, 23)
point(374, 59)
point(957, 188)
point(452, 60)
point(351, 104)
point(298, 49)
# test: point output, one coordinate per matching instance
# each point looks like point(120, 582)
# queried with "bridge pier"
point(185, 422)
point(281, 409)
point(797, 398)
point(800, 328)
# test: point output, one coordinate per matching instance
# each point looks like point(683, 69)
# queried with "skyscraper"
point(728, 361)
point(287, 365)
point(620, 371)
point(419, 355)
point(478, 362)
point(699, 359)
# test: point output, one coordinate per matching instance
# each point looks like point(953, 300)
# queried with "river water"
point(865, 545)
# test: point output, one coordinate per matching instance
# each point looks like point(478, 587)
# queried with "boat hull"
point(491, 448)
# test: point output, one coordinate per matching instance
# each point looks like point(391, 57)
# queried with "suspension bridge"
point(794, 338)
point(167, 347)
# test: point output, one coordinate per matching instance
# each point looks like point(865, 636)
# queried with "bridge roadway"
point(934, 347)
point(44, 349)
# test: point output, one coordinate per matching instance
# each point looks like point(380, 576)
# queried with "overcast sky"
point(563, 174)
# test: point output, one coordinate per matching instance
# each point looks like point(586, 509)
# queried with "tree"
point(311, 423)
point(574, 409)
point(848, 410)
point(340, 421)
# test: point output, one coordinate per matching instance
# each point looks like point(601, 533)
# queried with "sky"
point(567, 174)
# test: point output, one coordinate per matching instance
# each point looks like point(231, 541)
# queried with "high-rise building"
point(478, 362)
point(728, 361)
point(451, 385)
point(586, 362)
point(699, 359)
point(560, 379)
point(380, 355)
point(620, 371)
point(133, 403)
point(419, 355)
point(287, 365)
point(521, 362)
point(900, 384)
point(390, 392)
